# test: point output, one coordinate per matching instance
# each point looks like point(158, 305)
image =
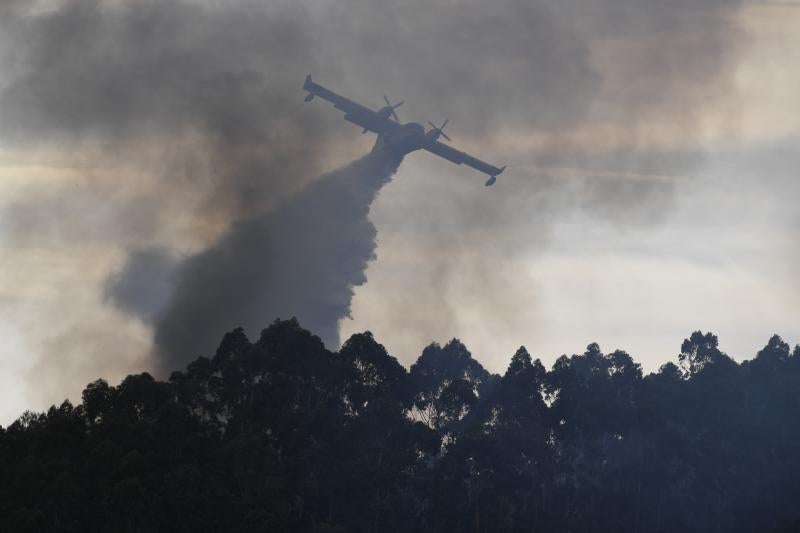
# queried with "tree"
point(450, 370)
point(374, 376)
point(772, 356)
point(700, 351)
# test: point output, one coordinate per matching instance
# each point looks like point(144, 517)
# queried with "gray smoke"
point(144, 285)
point(538, 64)
point(212, 90)
point(302, 260)
point(185, 121)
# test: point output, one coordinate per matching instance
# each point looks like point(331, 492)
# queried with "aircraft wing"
point(458, 157)
point(353, 112)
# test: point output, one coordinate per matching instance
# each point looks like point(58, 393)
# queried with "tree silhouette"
point(281, 434)
point(445, 382)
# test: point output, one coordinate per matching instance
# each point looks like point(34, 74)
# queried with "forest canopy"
point(281, 434)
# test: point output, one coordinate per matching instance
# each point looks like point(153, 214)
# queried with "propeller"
point(393, 107)
point(440, 129)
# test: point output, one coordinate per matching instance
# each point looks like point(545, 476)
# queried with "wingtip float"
point(395, 136)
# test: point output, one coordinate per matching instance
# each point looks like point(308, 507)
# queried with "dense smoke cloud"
point(215, 88)
point(179, 120)
point(144, 284)
point(186, 125)
point(541, 66)
point(303, 260)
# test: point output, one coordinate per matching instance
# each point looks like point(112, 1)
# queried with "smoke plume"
point(175, 160)
point(303, 260)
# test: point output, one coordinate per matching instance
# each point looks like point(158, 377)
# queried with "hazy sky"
point(653, 151)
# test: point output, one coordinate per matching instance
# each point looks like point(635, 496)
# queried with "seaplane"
point(399, 138)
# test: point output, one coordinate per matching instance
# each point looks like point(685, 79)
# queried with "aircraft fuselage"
point(408, 138)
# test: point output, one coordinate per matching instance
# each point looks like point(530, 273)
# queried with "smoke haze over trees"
point(163, 127)
point(283, 435)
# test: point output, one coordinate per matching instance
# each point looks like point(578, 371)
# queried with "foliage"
point(282, 435)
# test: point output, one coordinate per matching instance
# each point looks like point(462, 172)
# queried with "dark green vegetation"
point(282, 435)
